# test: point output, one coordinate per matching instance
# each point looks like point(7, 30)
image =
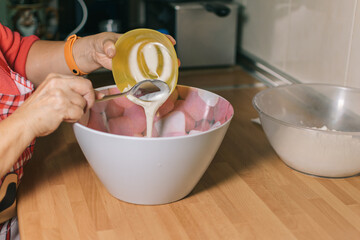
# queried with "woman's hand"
point(59, 98)
point(173, 41)
point(100, 49)
point(95, 51)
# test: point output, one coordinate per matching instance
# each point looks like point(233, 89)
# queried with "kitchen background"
point(297, 40)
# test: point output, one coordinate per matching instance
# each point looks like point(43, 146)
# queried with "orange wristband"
point(68, 49)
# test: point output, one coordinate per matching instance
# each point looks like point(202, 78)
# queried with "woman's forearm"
point(43, 58)
point(48, 57)
point(89, 53)
point(15, 138)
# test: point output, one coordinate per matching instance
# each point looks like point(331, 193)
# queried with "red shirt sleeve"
point(15, 48)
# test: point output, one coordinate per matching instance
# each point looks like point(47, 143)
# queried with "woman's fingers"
point(99, 95)
point(109, 48)
point(59, 98)
point(172, 40)
point(73, 113)
point(76, 99)
point(84, 88)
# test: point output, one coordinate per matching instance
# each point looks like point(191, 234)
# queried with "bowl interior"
point(187, 111)
point(316, 106)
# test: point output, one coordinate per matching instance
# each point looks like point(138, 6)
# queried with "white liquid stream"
point(151, 103)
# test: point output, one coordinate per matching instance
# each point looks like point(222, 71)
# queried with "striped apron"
point(9, 183)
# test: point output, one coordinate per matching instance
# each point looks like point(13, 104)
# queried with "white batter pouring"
point(151, 102)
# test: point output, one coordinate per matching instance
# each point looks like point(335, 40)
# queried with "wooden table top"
point(246, 193)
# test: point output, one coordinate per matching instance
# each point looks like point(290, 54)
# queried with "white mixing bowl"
point(190, 127)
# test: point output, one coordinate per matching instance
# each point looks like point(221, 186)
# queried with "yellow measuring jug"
point(144, 54)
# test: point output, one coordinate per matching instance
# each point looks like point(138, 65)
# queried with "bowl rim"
point(81, 126)
point(262, 113)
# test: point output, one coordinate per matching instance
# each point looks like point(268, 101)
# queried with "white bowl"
point(155, 170)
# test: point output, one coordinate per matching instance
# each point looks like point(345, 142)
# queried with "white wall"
point(310, 40)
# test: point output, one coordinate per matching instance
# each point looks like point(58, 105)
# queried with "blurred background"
point(294, 40)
